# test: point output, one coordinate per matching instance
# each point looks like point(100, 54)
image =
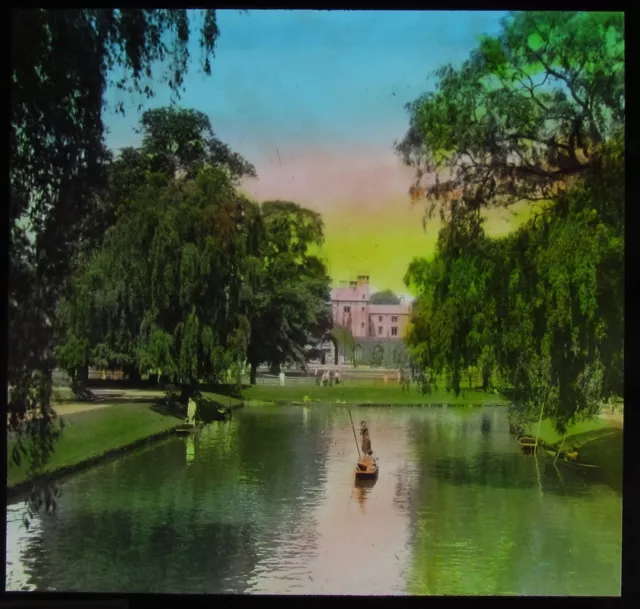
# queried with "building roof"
point(348, 294)
point(383, 309)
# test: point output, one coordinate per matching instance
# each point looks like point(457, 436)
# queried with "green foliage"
point(543, 306)
point(63, 61)
point(529, 109)
point(537, 112)
point(290, 287)
point(165, 286)
point(386, 297)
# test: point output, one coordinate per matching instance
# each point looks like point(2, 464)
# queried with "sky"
point(315, 100)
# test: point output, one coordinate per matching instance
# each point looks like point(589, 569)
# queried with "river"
point(267, 503)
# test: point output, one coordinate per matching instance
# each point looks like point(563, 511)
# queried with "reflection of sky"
point(315, 100)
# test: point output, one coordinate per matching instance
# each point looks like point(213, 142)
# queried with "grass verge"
point(90, 434)
point(598, 441)
point(363, 394)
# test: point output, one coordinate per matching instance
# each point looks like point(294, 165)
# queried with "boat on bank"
point(527, 444)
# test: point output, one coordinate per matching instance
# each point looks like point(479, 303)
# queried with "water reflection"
point(271, 505)
point(362, 489)
point(191, 449)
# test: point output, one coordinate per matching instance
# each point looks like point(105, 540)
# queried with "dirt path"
point(65, 409)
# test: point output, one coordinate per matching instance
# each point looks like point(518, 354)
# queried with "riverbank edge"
point(370, 404)
point(21, 488)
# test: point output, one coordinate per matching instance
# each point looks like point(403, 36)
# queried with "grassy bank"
point(598, 441)
point(90, 434)
point(363, 394)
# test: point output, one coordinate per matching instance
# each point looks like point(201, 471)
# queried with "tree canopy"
point(529, 111)
point(387, 297)
point(536, 113)
point(291, 290)
point(62, 63)
point(165, 289)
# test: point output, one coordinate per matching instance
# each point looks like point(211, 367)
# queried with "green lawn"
point(92, 433)
point(598, 441)
point(550, 436)
point(366, 393)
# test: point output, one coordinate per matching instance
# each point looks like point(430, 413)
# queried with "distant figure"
point(386, 379)
point(366, 439)
point(331, 375)
point(325, 379)
point(399, 376)
point(281, 375)
point(337, 378)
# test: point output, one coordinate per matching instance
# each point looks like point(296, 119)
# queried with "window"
point(379, 317)
point(394, 331)
point(347, 309)
point(379, 329)
point(394, 318)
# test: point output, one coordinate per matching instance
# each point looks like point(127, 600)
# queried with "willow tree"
point(543, 306)
point(165, 290)
point(535, 114)
point(177, 145)
point(62, 63)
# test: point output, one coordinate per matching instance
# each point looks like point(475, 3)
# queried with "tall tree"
point(165, 291)
point(536, 113)
point(291, 289)
point(176, 142)
point(385, 297)
point(87, 336)
point(63, 61)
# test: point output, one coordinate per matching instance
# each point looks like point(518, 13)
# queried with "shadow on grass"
point(164, 409)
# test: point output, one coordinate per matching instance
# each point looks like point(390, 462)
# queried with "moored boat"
point(527, 443)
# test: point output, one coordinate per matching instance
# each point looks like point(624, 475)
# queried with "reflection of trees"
point(480, 526)
point(149, 523)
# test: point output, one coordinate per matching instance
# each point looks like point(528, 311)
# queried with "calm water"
point(267, 504)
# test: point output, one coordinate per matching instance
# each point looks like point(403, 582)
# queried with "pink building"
point(351, 309)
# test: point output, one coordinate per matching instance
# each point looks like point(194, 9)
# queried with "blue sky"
point(315, 100)
point(320, 77)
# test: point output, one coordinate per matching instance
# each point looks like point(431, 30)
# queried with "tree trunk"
point(486, 377)
point(275, 368)
point(132, 373)
point(253, 373)
point(188, 391)
point(83, 374)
